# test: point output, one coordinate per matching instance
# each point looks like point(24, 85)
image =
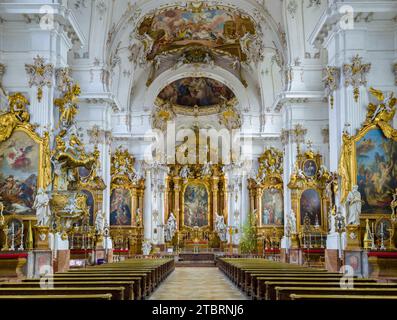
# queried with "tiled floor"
point(197, 284)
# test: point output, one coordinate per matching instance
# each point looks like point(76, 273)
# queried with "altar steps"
point(195, 264)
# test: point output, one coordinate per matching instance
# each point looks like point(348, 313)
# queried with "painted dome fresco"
point(215, 27)
point(196, 91)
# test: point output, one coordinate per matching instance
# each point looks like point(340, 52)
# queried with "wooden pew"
point(94, 297)
point(283, 293)
point(308, 297)
point(128, 286)
point(138, 294)
point(271, 286)
point(260, 281)
point(145, 285)
point(116, 292)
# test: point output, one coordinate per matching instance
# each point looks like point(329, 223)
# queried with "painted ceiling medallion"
point(196, 91)
point(213, 27)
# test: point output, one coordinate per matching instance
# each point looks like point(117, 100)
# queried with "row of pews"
point(132, 279)
point(269, 280)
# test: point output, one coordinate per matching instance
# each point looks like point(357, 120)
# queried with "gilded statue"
point(68, 105)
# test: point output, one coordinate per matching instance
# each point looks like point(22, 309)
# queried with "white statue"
point(220, 227)
point(206, 171)
point(170, 228)
point(292, 222)
point(42, 206)
point(353, 203)
point(184, 173)
point(208, 60)
point(100, 221)
point(146, 247)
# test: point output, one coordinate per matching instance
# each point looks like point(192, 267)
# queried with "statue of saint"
point(42, 206)
point(353, 203)
point(99, 221)
point(393, 205)
point(170, 228)
point(146, 247)
point(292, 222)
point(220, 227)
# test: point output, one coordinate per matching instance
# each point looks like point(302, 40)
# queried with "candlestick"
point(21, 245)
point(12, 237)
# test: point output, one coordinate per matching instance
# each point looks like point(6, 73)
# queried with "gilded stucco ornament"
point(161, 115)
point(40, 75)
point(331, 82)
point(230, 117)
point(17, 114)
point(378, 116)
point(356, 74)
point(122, 169)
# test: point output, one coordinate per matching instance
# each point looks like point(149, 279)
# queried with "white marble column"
point(147, 208)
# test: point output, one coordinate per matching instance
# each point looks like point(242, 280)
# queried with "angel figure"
point(387, 102)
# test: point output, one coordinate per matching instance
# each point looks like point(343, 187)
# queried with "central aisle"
point(197, 284)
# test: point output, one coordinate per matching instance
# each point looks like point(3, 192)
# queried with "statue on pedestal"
point(292, 222)
point(42, 206)
point(184, 173)
point(353, 203)
point(393, 205)
point(100, 221)
point(146, 248)
point(170, 228)
point(220, 227)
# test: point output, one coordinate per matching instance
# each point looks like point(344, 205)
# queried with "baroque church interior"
point(240, 149)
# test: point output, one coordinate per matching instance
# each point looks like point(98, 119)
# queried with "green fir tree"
point(248, 241)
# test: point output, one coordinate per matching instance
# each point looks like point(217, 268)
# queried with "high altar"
point(195, 200)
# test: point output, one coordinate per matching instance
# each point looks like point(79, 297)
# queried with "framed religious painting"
point(24, 168)
point(310, 168)
point(120, 207)
point(369, 160)
point(196, 205)
point(310, 208)
point(91, 206)
point(376, 175)
point(272, 207)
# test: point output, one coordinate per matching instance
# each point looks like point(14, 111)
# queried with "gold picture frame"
point(348, 159)
point(196, 182)
point(17, 120)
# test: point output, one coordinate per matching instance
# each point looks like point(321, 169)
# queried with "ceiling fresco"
point(196, 91)
point(217, 28)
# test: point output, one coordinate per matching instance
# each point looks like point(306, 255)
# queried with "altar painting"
point(310, 207)
point(90, 205)
point(19, 166)
point(376, 171)
point(196, 206)
point(272, 207)
point(120, 207)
